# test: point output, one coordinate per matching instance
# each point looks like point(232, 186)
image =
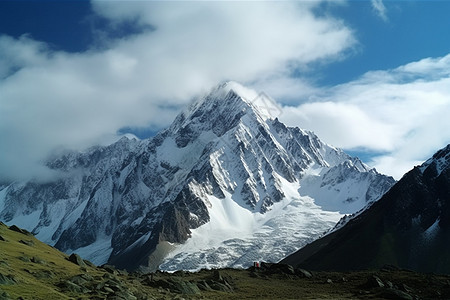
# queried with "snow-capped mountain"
point(226, 184)
point(408, 227)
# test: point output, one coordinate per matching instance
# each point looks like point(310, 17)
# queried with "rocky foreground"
point(30, 269)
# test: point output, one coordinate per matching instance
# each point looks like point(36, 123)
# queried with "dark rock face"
point(187, 211)
point(408, 227)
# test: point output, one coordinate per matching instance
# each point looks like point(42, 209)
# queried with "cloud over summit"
point(52, 99)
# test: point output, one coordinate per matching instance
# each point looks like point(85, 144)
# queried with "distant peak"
point(439, 162)
point(442, 153)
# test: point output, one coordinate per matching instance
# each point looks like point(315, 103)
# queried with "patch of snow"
point(139, 241)
point(27, 221)
point(97, 252)
point(137, 221)
point(57, 212)
point(72, 217)
point(347, 197)
point(2, 198)
point(187, 156)
point(432, 231)
point(236, 236)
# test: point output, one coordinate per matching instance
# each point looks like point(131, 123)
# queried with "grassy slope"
point(41, 279)
point(15, 260)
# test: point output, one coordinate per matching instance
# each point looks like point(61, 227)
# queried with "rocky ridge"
point(408, 227)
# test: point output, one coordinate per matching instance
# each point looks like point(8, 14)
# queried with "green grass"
point(15, 260)
point(33, 280)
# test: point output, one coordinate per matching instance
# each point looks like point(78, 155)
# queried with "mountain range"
point(224, 185)
point(409, 227)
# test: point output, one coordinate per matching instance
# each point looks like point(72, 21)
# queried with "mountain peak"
point(222, 89)
point(224, 108)
point(239, 98)
point(439, 162)
point(226, 178)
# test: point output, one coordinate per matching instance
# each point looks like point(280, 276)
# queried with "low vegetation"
point(30, 269)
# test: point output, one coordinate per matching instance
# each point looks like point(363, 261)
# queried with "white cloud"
point(344, 124)
point(52, 99)
point(403, 112)
point(379, 9)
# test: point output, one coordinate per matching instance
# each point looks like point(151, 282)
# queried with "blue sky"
point(367, 76)
point(412, 30)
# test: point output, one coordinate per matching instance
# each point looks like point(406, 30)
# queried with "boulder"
point(108, 290)
point(204, 286)
point(265, 266)
point(110, 269)
point(114, 285)
point(406, 288)
point(17, 229)
point(303, 273)
point(72, 287)
point(374, 282)
point(179, 286)
point(27, 242)
point(43, 274)
point(37, 260)
point(20, 230)
point(273, 268)
point(217, 276)
point(78, 279)
point(89, 263)
point(7, 279)
point(4, 296)
point(76, 259)
point(389, 284)
point(186, 287)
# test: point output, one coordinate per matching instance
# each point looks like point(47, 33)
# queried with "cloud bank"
point(51, 99)
point(402, 113)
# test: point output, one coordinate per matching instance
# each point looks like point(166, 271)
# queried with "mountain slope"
point(34, 270)
point(408, 227)
point(226, 176)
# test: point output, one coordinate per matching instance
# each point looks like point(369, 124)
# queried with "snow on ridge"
point(439, 161)
point(2, 198)
point(97, 252)
point(236, 233)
